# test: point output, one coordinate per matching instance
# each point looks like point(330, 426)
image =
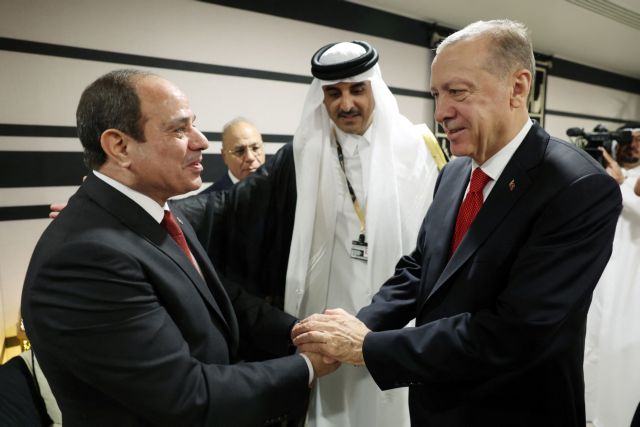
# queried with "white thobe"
point(349, 397)
point(612, 347)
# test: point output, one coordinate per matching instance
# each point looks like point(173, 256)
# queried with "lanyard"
point(354, 199)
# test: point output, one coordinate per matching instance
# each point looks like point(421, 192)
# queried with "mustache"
point(351, 112)
point(194, 159)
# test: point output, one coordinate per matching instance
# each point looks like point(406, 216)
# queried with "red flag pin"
point(512, 185)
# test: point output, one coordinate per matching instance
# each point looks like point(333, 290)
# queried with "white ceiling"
point(558, 28)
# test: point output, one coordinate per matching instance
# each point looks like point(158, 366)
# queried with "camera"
point(600, 137)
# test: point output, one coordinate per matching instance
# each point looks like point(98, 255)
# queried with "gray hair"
point(110, 102)
point(510, 44)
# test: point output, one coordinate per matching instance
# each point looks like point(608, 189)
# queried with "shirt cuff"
point(310, 367)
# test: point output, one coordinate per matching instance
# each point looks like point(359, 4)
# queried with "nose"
point(197, 140)
point(346, 102)
point(443, 110)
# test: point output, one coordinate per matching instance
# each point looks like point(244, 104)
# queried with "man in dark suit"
point(130, 322)
point(242, 152)
point(500, 309)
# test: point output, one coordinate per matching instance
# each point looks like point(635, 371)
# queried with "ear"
point(520, 88)
point(115, 144)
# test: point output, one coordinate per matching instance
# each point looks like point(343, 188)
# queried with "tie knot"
point(170, 224)
point(478, 180)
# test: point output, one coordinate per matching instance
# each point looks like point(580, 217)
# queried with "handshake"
point(330, 339)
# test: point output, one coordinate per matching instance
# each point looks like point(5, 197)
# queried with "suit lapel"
point(220, 300)
point(448, 200)
point(140, 222)
point(512, 184)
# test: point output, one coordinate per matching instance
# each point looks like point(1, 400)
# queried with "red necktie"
point(470, 207)
point(171, 225)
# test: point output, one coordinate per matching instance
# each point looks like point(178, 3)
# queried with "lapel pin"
point(512, 185)
point(180, 221)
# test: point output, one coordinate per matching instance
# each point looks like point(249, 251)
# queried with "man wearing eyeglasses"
point(242, 151)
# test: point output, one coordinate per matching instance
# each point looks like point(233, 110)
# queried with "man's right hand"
point(320, 365)
point(56, 208)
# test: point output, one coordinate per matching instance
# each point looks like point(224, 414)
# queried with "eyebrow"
point(181, 120)
point(351, 86)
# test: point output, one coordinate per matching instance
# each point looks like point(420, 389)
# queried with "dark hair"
point(111, 102)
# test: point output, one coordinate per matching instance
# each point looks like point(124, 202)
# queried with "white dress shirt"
point(495, 164)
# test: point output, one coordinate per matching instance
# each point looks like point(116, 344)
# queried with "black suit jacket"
point(221, 184)
point(129, 333)
point(247, 230)
point(500, 326)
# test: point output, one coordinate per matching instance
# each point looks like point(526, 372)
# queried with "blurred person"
point(515, 240)
point(129, 320)
point(242, 152)
point(612, 347)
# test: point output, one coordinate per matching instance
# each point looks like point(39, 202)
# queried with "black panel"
point(582, 73)
point(126, 59)
point(366, 20)
point(589, 117)
point(343, 15)
point(41, 169)
point(38, 131)
point(70, 132)
point(24, 212)
point(47, 169)
point(25, 46)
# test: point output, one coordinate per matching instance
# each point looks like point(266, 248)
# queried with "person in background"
point(128, 318)
point(500, 281)
point(242, 152)
point(329, 215)
point(612, 347)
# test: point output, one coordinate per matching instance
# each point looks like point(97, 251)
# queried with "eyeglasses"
point(240, 150)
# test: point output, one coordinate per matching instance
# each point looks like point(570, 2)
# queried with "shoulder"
point(565, 162)
point(281, 163)
point(220, 184)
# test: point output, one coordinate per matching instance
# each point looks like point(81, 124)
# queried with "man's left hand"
point(336, 334)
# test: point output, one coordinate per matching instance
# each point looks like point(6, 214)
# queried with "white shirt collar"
point(232, 177)
point(145, 202)
point(494, 165)
point(350, 141)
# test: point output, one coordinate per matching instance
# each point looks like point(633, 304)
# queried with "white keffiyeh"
point(399, 191)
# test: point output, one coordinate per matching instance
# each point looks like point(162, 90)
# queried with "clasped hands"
point(336, 335)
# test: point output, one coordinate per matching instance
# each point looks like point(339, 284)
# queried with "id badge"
point(359, 249)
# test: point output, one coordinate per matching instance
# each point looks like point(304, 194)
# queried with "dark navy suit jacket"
point(499, 336)
point(129, 333)
point(222, 183)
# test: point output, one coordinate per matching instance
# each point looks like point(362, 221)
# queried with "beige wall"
point(44, 90)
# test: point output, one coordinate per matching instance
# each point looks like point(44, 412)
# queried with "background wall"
point(229, 61)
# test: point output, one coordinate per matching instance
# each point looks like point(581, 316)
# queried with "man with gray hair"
point(329, 214)
point(519, 231)
point(242, 152)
